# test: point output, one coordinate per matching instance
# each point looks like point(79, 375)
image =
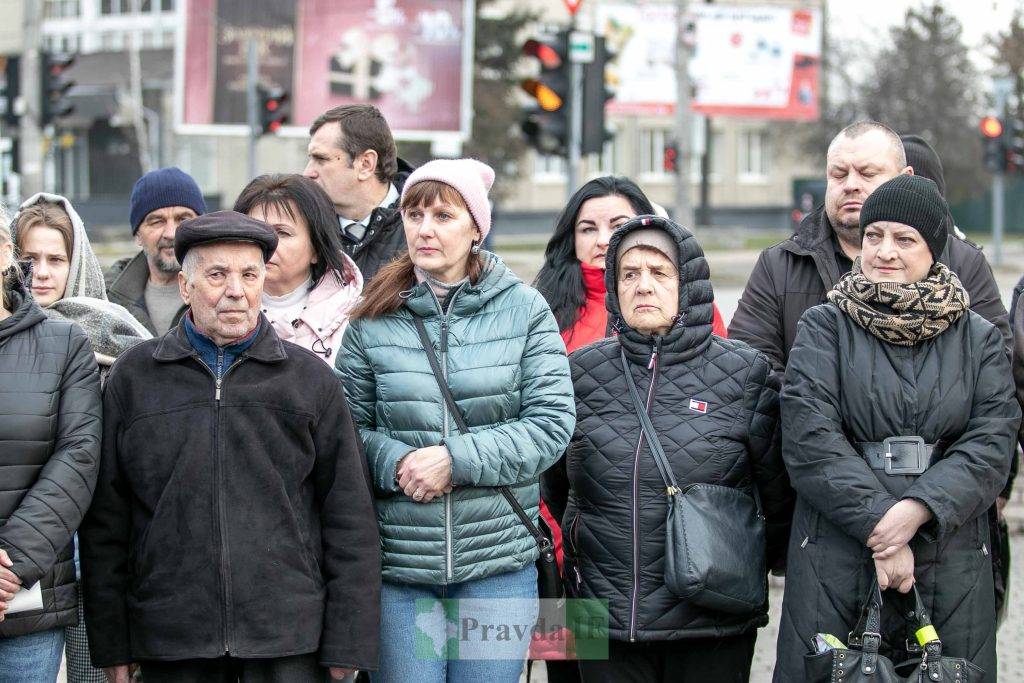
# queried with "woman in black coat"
point(714, 407)
point(899, 422)
point(49, 457)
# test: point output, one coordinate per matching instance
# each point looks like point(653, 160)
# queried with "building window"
point(754, 155)
point(714, 163)
point(115, 6)
point(167, 5)
point(60, 9)
point(604, 163)
point(652, 151)
point(549, 166)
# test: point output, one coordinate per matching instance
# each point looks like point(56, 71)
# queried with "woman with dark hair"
point(311, 285)
point(572, 277)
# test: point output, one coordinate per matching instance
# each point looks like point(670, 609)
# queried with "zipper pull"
point(444, 335)
point(654, 358)
point(216, 395)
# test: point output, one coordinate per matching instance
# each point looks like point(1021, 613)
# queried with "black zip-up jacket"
point(715, 405)
point(233, 520)
point(49, 456)
point(385, 237)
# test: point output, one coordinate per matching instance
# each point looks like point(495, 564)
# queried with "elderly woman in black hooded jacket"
point(713, 409)
point(899, 422)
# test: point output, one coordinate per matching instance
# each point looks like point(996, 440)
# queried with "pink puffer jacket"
point(321, 324)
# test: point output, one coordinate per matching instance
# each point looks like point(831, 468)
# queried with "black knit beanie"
point(925, 161)
point(911, 200)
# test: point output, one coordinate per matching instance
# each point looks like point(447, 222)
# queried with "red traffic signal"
point(272, 109)
point(547, 54)
point(670, 157)
point(991, 127)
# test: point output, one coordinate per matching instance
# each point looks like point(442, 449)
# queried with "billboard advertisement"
point(746, 60)
point(410, 58)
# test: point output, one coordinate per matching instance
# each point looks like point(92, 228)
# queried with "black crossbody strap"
point(542, 542)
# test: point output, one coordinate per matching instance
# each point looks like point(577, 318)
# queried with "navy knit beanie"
point(162, 188)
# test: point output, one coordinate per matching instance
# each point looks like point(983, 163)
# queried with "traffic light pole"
point(683, 132)
point(30, 135)
point(575, 124)
point(998, 186)
point(252, 105)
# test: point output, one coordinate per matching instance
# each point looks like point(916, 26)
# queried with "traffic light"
point(55, 84)
point(670, 157)
point(546, 122)
point(11, 90)
point(1013, 140)
point(994, 150)
point(596, 94)
point(273, 112)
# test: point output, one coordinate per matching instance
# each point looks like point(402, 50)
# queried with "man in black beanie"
point(925, 161)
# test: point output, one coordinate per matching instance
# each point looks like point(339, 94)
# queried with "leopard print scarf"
point(902, 314)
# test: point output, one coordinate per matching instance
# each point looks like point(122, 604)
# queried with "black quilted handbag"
point(862, 663)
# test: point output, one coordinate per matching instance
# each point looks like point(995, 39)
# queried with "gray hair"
point(190, 264)
point(855, 130)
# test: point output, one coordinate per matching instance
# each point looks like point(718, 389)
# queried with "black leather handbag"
point(861, 663)
point(549, 583)
point(714, 535)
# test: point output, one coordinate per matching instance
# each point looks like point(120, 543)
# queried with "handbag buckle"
point(905, 455)
point(855, 640)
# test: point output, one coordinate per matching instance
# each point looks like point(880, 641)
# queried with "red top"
point(593, 320)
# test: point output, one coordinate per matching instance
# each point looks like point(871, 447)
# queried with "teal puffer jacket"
point(507, 369)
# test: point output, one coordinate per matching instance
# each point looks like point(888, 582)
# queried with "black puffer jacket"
point(385, 237)
point(614, 523)
point(49, 455)
point(843, 386)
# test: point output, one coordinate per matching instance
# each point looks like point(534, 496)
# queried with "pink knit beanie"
point(469, 177)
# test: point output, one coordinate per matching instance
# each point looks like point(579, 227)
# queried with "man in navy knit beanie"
point(147, 283)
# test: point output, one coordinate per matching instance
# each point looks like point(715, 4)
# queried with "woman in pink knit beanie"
point(450, 314)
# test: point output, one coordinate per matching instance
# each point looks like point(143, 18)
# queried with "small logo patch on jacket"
point(698, 406)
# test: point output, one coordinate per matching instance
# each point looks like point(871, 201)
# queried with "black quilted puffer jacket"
point(715, 405)
point(49, 456)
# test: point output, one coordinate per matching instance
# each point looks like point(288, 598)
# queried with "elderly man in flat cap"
point(232, 535)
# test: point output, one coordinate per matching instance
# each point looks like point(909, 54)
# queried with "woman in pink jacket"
point(311, 285)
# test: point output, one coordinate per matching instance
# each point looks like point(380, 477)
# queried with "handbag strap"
point(868, 629)
point(542, 541)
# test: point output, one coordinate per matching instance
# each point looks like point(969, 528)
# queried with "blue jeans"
point(412, 633)
point(32, 658)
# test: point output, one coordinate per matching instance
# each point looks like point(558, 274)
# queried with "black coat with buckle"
point(714, 403)
point(232, 517)
point(844, 387)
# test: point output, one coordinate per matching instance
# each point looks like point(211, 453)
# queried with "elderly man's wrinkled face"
point(648, 289)
point(222, 283)
point(156, 237)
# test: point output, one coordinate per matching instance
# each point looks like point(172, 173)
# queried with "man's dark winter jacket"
point(843, 386)
point(49, 455)
point(126, 285)
point(230, 519)
point(385, 237)
point(794, 275)
point(614, 524)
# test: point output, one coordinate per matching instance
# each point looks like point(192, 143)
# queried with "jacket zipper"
point(652, 365)
point(449, 561)
point(225, 575)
